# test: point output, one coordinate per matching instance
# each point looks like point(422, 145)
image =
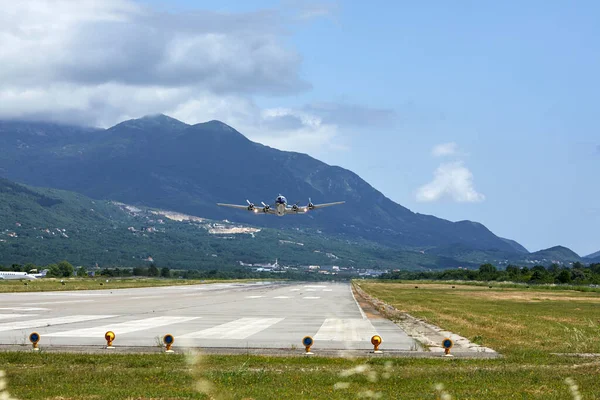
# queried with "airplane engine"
point(295, 208)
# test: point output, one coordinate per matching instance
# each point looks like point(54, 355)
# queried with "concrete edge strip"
point(362, 313)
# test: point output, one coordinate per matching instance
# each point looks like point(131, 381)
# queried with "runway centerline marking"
point(254, 297)
point(281, 297)
point(238, 329)
point(311, 297)
point(295, 290)
point(346, 330)
point(24, 308)
point(328, 290)
point(123, 327)
point(44, 322)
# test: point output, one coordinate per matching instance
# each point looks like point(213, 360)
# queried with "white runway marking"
point(311, 297)
point(281, 297)
point(8, 316)
point(24, 308)
point(346, 330)
point(315, 286)
point(144, 297)
point(44, 322)
point(328, 290)
point(295, 290)
point(362, 313)
point(42, 303)
point(254, 297)
point(238, 329)
point(123, 328)
point(311, 290)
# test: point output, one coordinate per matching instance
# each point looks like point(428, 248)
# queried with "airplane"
point(9, 275)
point(280, 207)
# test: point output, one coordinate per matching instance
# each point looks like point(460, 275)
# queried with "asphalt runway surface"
point(224, 315)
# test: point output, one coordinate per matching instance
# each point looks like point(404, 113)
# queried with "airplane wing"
point(315, 206)
point(234, 206)
point(305, 209)
point(255, 209)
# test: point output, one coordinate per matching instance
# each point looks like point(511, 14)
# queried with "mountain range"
point(43, 226)
point(157, 161)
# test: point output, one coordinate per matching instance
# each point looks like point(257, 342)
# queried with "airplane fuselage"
point(11, 275)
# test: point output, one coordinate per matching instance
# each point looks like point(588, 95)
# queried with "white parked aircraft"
point(281, 207)
point(8, 275)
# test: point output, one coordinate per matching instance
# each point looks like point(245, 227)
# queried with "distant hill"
point(554, 254)
point(594, 257)
point(157, 161)
point(48, 225)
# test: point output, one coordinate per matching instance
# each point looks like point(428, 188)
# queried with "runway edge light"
point(34, 338)
point(307, 341)
point(376, 341)
point(109, 336)
point(447, 344)
point(168, 340)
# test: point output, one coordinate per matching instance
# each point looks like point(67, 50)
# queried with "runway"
point(231, 315)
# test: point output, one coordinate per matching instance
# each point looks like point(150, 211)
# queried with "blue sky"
point(465, 110)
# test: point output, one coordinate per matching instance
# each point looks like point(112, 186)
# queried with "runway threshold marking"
point(123, 327)
point(346, 330)
point(44, 322)
point(9, 316)
point(238, 329)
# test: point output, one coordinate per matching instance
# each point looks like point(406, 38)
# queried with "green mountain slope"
point(554, 254)
point(158, 161)
point(48, 225)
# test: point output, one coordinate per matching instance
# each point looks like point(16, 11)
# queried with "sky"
point(483, 111)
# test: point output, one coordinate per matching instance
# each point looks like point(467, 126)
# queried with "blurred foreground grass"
point(116, 376)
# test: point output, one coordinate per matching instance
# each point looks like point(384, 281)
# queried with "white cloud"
point(452, 180)
point(99, 62)
point(445, 149)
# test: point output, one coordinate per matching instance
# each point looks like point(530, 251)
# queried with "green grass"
point(517, 322)
point(54, 284)
point(524, 325)
point(70, 376)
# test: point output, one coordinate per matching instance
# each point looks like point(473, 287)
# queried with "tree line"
point(577, 274)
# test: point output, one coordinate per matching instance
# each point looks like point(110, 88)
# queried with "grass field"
point(55, 284)
point(515, 322)
point(523, 324)
point(68, 376)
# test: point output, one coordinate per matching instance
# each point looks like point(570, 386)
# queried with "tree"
point(81, 272)
point(65, 268)
point(140, 271)
point(165, 272)
point(53, 270)
point(153, 271)
point(29, 267)
point(564, 276)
